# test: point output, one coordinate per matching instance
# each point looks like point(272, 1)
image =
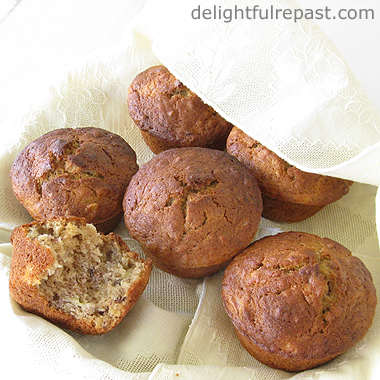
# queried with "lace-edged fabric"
point(284, 83)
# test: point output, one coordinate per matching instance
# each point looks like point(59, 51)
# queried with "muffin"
point(73, 276)
point(297, 301)
point(289, 194)
point(170, 115)
point(81, 172)
point(192, 210)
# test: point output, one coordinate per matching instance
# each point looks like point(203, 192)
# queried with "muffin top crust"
point(74, 172)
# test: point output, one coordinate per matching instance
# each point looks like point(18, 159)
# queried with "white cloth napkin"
point(286, 85)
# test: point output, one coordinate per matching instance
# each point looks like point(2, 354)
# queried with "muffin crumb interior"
point(90, 276)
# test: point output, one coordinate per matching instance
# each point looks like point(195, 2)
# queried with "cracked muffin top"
point(297, 300)
point(81, 172)
point(170, 115)
point(280, 180)
point(192, 210)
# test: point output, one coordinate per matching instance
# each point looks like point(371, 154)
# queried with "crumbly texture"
point(75, 277)
point(81, 172)
point(192, 210)
point(170, 115)
point(289, 194)
point(297, 300)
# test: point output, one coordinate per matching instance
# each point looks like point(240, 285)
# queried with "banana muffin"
point(81, 172)
point(289, 194)
point(73, 276)
point(297, 301)
point(192, 210)
point(170, 115)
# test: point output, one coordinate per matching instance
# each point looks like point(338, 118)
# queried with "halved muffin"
point(73, 276)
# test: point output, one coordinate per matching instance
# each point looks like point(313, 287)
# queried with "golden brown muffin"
point(192, 210)
point(81, 172)
point(297, 300)
point(73, 276)
point(169, 115)
point(289, 194)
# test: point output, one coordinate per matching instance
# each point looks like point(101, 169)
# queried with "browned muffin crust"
point(192, 209)
point(287, 212)
point(73, 276)
point(170, 115)
point(289, 194)
point(297, 300)
point(81, 172)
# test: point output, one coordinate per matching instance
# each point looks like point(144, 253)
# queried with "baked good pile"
point(296, 300)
